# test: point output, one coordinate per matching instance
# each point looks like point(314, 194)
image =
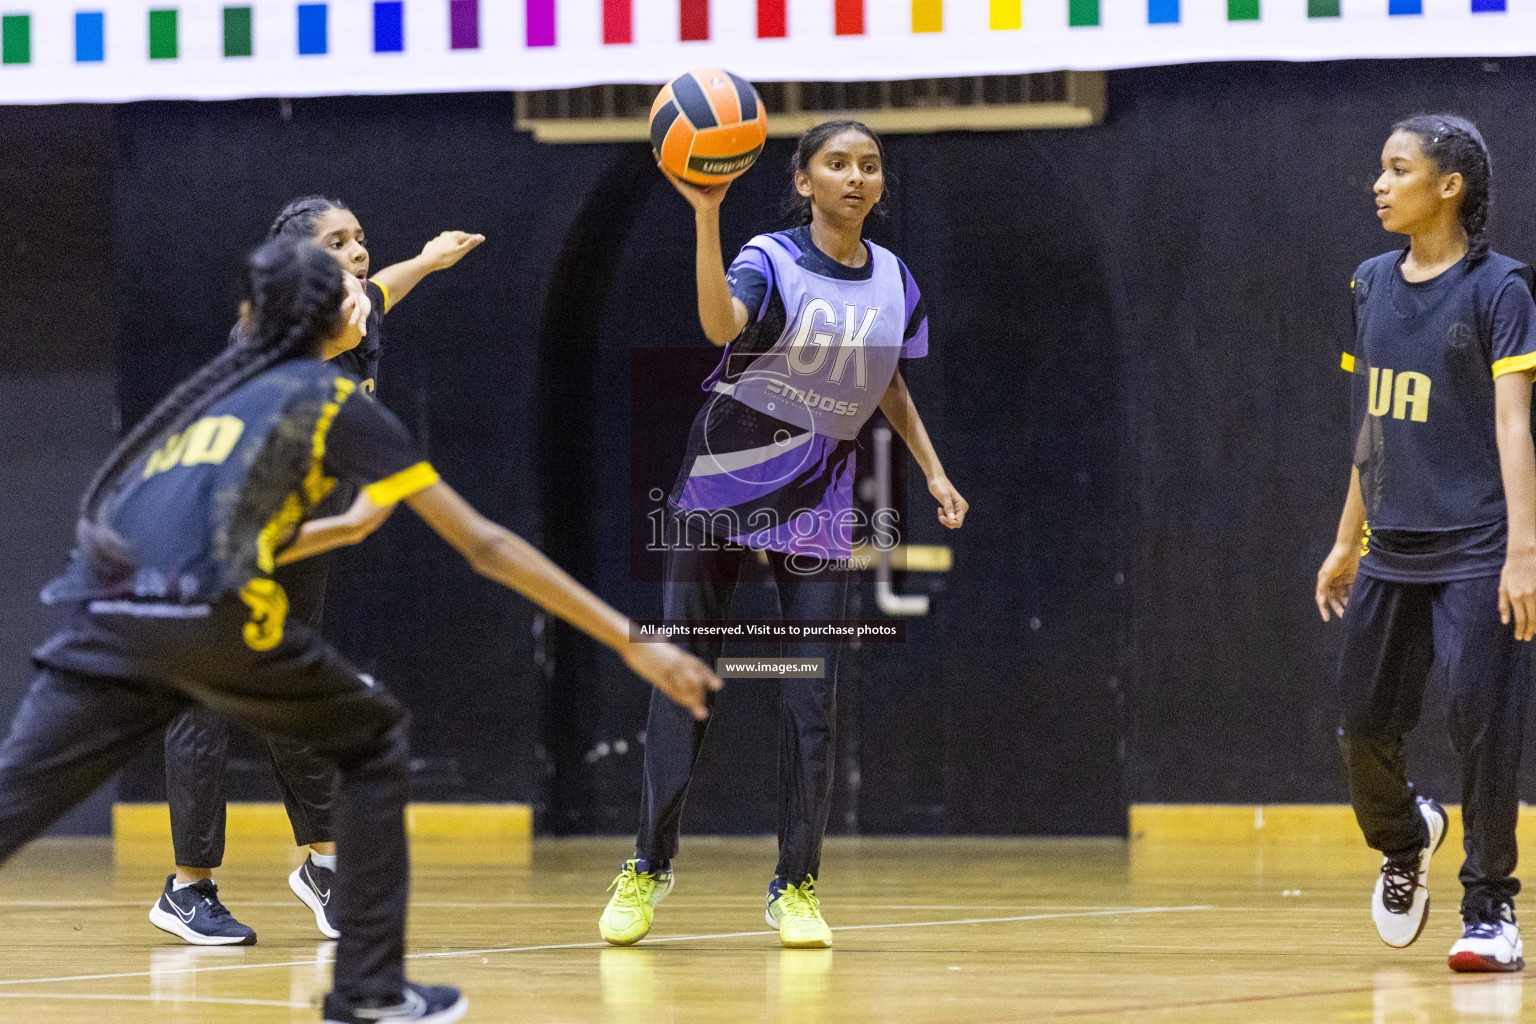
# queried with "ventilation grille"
point(1056, 99)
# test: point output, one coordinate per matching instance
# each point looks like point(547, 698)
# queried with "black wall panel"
point(58, 322)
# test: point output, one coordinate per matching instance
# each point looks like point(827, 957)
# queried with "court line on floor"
point(159, 998)
point(839, 928)
point(1195, 1004)
point(448, 954)
point(597, 904)
point(1021, 917)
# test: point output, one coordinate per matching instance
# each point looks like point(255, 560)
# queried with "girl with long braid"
point(1434, 562)
point(814, 322)
point(178, 539)
point(197, 742)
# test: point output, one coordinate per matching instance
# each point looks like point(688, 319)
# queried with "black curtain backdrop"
point(58, 323)
point(1134, 380)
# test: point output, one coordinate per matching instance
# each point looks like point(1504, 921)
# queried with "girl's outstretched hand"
point(952, 507)
point(703, 198)
point(1335, 579)
point(675, 673)
point(356, 306)
point(448, 248)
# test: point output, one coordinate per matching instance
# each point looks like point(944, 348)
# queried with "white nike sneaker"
point(1490, 945)
point(1400, 904)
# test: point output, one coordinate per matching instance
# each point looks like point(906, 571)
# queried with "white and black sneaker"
point(195, 914)
point(418, 1004)
point(1489, 942)
point(1400, 904)
point(315, 886)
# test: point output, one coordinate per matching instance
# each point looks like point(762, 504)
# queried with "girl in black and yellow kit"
point(1445, 574)
point(197, 742)
point(179, 536)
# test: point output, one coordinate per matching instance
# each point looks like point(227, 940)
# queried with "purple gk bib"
point(838, 353)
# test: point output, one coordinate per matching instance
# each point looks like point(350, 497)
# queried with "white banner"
point(114, 50)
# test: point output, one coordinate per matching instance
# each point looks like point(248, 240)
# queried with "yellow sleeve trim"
point(1347, 362)
point(1514, 364)
point(387, 300)
point(403, 484)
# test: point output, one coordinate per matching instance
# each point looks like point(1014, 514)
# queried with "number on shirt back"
point(208, 442)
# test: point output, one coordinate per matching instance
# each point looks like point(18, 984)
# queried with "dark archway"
point(568, 360)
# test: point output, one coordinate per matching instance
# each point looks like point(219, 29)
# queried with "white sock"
point(323, 860)
point(178, 886)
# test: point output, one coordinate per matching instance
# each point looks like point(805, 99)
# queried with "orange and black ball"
point(708, 126)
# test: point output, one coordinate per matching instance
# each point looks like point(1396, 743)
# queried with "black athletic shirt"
point(1426, 356)
point(305, 581)
point(210, 507)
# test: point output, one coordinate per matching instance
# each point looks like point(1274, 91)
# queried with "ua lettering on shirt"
point(1426, 356)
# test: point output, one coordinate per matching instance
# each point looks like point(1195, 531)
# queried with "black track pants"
point(1394, 634)
point(700, 584)
point(196, 759)
point(113, 682)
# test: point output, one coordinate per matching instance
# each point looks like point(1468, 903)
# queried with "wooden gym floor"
point(940, 931)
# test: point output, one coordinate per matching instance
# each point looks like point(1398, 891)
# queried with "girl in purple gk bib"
point(814, 322)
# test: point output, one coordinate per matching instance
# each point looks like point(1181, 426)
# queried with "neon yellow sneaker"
point(796, 913)
point(628, 915)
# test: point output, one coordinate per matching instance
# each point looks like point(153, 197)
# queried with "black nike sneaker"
point(418, 1004)
point(196, 915)
point(315, 886)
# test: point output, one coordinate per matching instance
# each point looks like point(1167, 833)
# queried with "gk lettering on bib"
point(842, 340)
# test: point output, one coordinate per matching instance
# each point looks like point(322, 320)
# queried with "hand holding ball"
point(708, 126)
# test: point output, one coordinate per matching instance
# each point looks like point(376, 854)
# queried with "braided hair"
point(299, 217)
point(1456, 146)
point(798, 207)
point(295, 293)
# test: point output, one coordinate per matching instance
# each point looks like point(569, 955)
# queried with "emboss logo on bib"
point(811, 400)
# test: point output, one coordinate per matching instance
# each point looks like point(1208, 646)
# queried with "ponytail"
point(295, 293)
